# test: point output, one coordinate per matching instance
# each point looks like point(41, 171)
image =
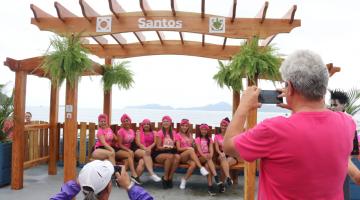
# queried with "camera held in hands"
point(270, 97)
point(117, 168)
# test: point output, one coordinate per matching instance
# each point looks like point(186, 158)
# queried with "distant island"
point(221, 106)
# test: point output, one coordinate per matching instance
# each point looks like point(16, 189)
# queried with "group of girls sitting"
point(166, 147)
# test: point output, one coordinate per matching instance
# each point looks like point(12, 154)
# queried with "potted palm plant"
point(119, 75)
point(66, 59)
point(6, 125)
point(251, 62)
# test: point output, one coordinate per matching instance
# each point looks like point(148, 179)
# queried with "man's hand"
point(283, 94)
point(123, 179)
point(249, 99)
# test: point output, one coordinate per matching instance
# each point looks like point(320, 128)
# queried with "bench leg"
point(234, 176)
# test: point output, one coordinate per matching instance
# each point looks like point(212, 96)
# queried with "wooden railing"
point(36, 143)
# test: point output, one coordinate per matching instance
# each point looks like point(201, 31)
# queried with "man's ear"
point(290, 89)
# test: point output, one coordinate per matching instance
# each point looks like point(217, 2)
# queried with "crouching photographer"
point(95, 183)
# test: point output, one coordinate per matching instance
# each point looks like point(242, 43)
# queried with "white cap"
point(96, 175)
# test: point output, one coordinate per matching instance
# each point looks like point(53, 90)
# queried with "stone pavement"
point(38, 185)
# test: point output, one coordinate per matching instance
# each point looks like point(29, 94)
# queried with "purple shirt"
point(70, 189)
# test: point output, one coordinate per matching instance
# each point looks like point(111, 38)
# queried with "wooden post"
point(236, 101)
point(250, 167)
point(17, 162)
point(70, 131)
point(108, 95)
point(54, 110)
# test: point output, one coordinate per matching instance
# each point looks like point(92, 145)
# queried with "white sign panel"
point(217, 25)
point(159, 23)
point(68, 108)
point(103, 24)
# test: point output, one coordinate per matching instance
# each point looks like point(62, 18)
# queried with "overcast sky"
point(329, 27)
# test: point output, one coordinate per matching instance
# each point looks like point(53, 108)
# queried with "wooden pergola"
point(98, 28)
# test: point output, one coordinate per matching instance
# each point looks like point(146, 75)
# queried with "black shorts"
point(103, 147)
point(155, 153)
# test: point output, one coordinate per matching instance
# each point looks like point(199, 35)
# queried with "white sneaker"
point(155, 178)
point(203, 171)
point(183, 184)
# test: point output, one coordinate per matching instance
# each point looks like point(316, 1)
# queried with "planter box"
point(5, 163)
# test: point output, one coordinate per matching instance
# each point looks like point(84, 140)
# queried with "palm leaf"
point(119, 75)
point(354, 101)
point(6, 110)
point(68, 60)
point(251, 62)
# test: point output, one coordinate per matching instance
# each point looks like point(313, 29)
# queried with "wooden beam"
point(115, 8)
point(233, 11)
point(262, 13)
point(191, 22)
point(33, 163)
point(32, 66)
point(87, 11)
point(331, 69)
point(100, 40)
point(268, 40)
point(181, 37)
point(107, 106)
point(119, 39)
point(161, 36)
point(140, 37)
point(62, 12)
point(54, 111)
point(38, 13)
point(70, 132)
point(17, 162)
point(202, 8)
point(173, 7)
point(203, 40)
point(224, 43)
point(170, 47)
point(290, 15)
point(145, 7)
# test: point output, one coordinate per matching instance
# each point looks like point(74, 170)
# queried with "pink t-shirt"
point(127, 136)
point(184, 140)
point(147, 139)
point(304, 156)
point(204, 146)
point(166, 141)
point(219, 139)
point(107, 133)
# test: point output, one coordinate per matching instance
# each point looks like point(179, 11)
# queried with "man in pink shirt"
point(306, 155)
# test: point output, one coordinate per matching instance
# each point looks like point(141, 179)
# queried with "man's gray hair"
point(307, 73)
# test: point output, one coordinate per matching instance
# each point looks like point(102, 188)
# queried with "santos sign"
point(159, 23)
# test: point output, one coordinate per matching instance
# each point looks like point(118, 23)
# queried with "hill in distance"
point(220, 106)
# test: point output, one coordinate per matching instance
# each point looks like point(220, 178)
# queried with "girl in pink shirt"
point(126, 137)
point(184, 145)
point(165, 152)
point(205, 150)
point(105, 136)
point(224, 160)
point(145, 140)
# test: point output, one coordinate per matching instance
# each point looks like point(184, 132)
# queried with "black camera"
point(270, 97)
point(117, 168)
